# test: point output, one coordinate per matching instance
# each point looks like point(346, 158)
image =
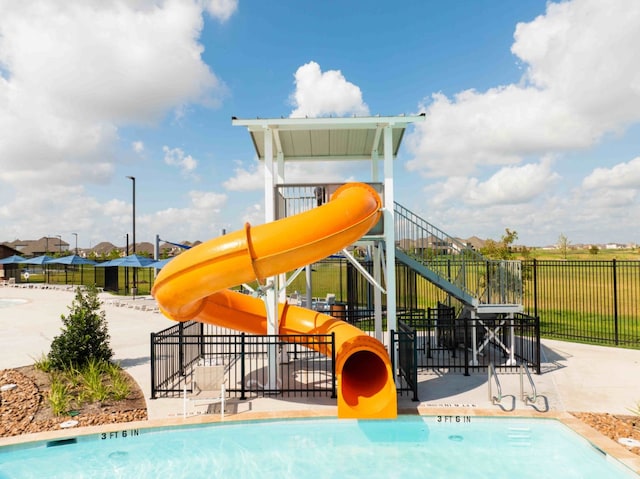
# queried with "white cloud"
point(208, 201)
point(246, 179)
point(584, 52)
point(498, 127)
point(582, 81)
point(176, 157)
point(74, 72)
point(510, 185)
point(221, 9)
point(201, 219)
point(321, 94)
point(254, 214)
point(622, 175)
point(138, 147)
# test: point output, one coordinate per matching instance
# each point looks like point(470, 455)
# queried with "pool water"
point(431, 447)
point(5, 302)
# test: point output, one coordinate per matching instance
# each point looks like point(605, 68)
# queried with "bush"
point(84, 336)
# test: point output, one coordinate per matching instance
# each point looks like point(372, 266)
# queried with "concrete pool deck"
point(575, 377)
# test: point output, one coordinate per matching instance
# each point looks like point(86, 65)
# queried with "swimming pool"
point(412, 446)
point(6, 302)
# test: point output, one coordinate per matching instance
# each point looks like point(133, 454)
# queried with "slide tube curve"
point(193, 286)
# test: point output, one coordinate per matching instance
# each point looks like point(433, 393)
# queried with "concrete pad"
point(575, 377)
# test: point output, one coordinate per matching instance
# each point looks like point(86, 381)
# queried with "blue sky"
point(532, 111)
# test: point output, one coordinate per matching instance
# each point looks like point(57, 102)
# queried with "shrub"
point(59, 397)
point(43, 363)
point(92, 377)
point(119, 384)
point(84, 336)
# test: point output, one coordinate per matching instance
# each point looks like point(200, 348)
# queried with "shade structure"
point(160, 263)
point(131, 261)
point(13, 259)
point(43, 259)
point(73, 259)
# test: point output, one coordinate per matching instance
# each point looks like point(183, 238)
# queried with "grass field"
point(581, 254)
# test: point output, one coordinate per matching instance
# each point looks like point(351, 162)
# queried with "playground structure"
point(192, 287)
point(317, 224)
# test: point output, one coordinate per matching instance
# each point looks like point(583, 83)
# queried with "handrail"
point(488, 281)
point(527, 399)
point(491, 372)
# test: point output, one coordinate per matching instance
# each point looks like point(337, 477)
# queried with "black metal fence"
point(305, 362)
point(591, 301)
point(470, 345)
point(404, 341)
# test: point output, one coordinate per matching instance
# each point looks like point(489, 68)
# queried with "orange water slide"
point(193, 286)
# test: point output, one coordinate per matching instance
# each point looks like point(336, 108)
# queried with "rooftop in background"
point(44, 245)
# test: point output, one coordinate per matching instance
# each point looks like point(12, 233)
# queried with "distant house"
point(475, 243)
point(44, 245)
point(6, 250)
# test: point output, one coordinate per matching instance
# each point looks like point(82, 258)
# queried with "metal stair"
point(482, 285)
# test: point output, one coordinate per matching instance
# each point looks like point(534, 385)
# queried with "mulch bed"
point(614, 426)
point(24, 409)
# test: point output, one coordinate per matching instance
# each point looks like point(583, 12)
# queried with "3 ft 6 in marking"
point(454, 419)
point(120, 434)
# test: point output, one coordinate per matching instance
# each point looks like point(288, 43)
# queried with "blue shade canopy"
point(14, 259)
point(72, 260)
point(43, 259)
point(131, 261)
point(160, 263)
point(106, 264)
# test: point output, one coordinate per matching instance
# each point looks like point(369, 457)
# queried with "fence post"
point(392, 335)
point(242, 367)
point(201, 327)
point(153, 365)
point(334, 392)
point(537, 355)
point(615, 300)
point(181, 347)
point(535, 287)
point(415, 366)
point(466, 346)
point(488, 281)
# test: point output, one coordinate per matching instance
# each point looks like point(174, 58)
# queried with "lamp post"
point(126, 270)
point(133, 179)
point(133, 182)
point(76, 235)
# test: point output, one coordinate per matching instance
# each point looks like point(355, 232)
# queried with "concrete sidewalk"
point(574, 377)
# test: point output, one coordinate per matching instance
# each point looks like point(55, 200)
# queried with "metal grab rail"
point(527, 399)
point(491, 372)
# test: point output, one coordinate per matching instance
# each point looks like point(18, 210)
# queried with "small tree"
point(84, 335)
point(594, 249)
point(500, 249)
point(563, 245)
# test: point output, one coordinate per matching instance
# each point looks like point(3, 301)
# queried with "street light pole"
point(133, 179)
point(76, 235)
point(135, 285)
